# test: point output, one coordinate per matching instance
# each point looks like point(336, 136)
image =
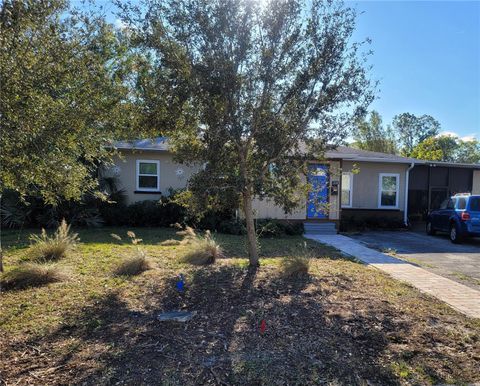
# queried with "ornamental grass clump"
point(31, 275)
point(188, 234)
point(55, 247)
point(170, 242)
point(202, 250)
point(296, 265)
point(134, 265)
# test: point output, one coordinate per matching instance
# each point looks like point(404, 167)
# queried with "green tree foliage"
point(411, 130)
point(447, 148)
point(63, 94)
point(251, 90)
point(468, 151)
point(371, 135)
point(440, 148)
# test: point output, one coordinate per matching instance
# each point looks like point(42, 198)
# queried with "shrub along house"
point(350, 185)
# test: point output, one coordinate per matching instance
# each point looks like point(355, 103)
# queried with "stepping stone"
point(176, 316)
point(135, 314)
point(210, 361)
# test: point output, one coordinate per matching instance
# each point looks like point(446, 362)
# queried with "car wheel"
point(429, 229)
point(455, 235)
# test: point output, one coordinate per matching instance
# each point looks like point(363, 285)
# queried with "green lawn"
point(344, 324)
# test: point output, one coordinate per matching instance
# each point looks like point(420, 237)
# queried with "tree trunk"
point(1, 250)
point(251, 236)
point(1, 255)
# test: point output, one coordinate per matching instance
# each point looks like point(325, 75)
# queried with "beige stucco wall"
point(268, 209)
point(366, 182)
point(364, 191)
point(476, 182)
point(335, 173)
point(168, 176)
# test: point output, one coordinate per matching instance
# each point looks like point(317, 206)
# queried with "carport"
point(431, 183)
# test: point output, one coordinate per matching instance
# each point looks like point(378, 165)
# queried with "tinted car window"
point(443, 205)
point(462, 203)
point(451, 203)
point(475, 204)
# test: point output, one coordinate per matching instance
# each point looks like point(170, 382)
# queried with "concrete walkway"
point(459, 296)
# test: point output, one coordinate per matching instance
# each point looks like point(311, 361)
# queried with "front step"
point(320, 228)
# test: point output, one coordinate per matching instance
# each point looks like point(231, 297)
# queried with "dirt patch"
point(321, 329)
point(342, 324)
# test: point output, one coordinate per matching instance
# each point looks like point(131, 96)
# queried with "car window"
point(462, 203)
point(443, 205)
point(475, 204)
point(451, 203)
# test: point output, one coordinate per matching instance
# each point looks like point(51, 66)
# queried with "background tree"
point(260, 87)
point(63, 96)
point(448, 148)
point(468, 151)
point(371, 135)
point(440, 148)
point(411, 130)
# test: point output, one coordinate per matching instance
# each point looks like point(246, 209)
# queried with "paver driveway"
point(459, 262)
point(458, 296)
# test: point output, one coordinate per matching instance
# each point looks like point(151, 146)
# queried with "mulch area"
point(342, 325)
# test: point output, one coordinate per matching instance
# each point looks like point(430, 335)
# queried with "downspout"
point(405, 210)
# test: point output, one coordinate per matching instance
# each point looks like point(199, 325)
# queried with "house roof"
point(352, 154)
point(339, 153)
point(159, 143)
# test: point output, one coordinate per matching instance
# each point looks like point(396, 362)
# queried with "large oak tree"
point(64, 94)
point(250, 89)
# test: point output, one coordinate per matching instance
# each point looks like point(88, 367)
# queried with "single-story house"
point(352, 183)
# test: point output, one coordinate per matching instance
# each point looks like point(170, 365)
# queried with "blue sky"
point(427, 59)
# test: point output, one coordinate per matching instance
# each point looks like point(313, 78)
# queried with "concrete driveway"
point(459, 262)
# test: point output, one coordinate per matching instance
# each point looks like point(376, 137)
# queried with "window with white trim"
point(347, 180)
point(388, 188)
point(148, 175)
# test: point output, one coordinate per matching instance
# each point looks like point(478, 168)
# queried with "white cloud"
point(469, 138)
point(448, 134)
point(119, 24)
point(466, 138)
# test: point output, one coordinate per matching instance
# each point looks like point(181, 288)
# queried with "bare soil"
point(343, 324)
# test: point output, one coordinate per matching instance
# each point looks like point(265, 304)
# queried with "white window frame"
point(397, 191)
point(350, 201)
point(137, 175)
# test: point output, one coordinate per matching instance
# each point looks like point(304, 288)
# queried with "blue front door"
point(317, 205)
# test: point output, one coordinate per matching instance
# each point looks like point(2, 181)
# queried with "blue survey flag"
point(180, 284)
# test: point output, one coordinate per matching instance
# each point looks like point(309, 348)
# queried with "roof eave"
point(407, 161)
point(377, 160)
point(451, 164)
point(139, 148)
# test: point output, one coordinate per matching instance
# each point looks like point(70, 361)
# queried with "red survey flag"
point(263, 326)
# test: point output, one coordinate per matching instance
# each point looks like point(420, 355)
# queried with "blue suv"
point(459, 216)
